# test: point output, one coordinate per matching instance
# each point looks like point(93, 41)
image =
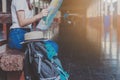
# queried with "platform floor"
point(85, 60)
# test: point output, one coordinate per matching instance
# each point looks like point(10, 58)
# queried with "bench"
point(11, 61)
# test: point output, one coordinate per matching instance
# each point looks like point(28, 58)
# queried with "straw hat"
point(33, 35)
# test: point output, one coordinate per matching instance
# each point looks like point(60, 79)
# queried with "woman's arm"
point(26, 21)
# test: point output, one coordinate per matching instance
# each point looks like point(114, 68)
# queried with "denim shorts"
point(16, 36)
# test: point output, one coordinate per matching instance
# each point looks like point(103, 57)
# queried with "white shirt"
point(16, 6)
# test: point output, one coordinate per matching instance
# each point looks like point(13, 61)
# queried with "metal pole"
point(39, 5)
point(34, 5)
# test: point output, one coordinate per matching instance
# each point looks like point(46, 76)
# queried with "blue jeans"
point(16, 36)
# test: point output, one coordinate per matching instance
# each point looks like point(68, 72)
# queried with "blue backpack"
point(42, 63)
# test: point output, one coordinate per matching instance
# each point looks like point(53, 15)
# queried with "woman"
point(22, 18)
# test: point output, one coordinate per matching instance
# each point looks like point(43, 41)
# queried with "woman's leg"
point(16, 36)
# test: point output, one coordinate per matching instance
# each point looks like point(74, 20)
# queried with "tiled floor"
point(85, 61)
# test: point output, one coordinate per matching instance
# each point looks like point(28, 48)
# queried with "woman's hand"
point(44, 12)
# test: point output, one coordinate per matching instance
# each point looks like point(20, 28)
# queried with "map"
point(53, 8)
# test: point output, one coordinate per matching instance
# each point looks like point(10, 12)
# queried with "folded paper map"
point(53, 8)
